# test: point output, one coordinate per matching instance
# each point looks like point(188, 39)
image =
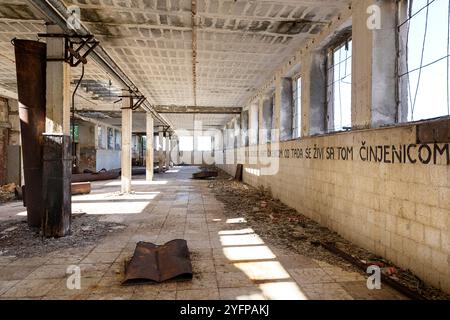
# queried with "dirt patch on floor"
point(19, 240)
point(284, 227)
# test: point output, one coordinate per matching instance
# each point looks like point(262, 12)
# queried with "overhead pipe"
point(56, 12)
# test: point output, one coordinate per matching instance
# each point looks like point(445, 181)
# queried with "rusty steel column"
point(57, 172)
point(31, 87)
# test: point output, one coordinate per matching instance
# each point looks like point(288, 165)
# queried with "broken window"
point(424, 66)
point(297, 107)
point(339, 86)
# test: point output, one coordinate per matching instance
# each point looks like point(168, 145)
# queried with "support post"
point(283, 108)
point(160, 151)
point(57, 164)
point(126, 142)
point(56, 181)
point(31, 87)
point(149, 148)
point(167, 153)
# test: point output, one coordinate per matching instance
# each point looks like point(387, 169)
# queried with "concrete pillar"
point(127, 124)
point(314, 94)
point(373, 100)
point(265, 118)
point(160, 151)
point(175, 152)
point(283, 108)
point(58, 86)
point(167, 153)
point(253, 134)
point(197, 155)
point(229, 143)
point(244, 128)
point(149, 148)
point(237, 132)
point(56, 152)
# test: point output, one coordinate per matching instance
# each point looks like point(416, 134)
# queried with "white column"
point(149, 148)
point(168, 151)
point(160, 151)
point(126, 142)
point(58, 86)
point(176, 151)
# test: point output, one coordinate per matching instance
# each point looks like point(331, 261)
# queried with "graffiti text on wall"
point(403, 153)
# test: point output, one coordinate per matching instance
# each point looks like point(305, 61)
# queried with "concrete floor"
point(229, 260)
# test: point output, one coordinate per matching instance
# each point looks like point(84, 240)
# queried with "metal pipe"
point(56, 12)
point(31, 86)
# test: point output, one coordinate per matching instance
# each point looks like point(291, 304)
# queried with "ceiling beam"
point(198, 109)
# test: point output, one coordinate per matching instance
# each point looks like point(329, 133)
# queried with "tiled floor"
point(229, 260)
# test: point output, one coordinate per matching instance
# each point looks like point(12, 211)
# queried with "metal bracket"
point(136, 104)
point(73, 48)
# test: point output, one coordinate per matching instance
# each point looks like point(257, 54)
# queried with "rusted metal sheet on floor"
point(96, 176)
point(205, 174)
point(56, 185)
point(153, 263)
point(31, 85)
point(80, 188)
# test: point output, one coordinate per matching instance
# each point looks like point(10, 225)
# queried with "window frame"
point(297, 107)
point(404, 89)
point(330, 68)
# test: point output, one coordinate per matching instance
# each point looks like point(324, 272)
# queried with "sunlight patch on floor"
point(249, 254)
point(236, 220)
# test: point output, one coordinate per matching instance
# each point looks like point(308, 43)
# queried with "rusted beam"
point(199, 109)
point(31, 85)
point(80, 188)
point(363, 267)
point(56, 185)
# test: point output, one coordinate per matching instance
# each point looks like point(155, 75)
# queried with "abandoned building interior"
point(252, 149)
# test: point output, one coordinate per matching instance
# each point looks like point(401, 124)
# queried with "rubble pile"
point(17, 239)
point(284, 227)
point(7, 192)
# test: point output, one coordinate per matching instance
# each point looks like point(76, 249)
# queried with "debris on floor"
point(158, 263)
point(281, 225)
point(17, 239)
point(89, 175)
point(77, 188)
point(205, 173)
point(8, 192)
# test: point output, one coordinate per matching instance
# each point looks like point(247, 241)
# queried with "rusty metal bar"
point(96, 176)
point(80, 188)
point(57, 166)
point(385, 279)
point(31, 85)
